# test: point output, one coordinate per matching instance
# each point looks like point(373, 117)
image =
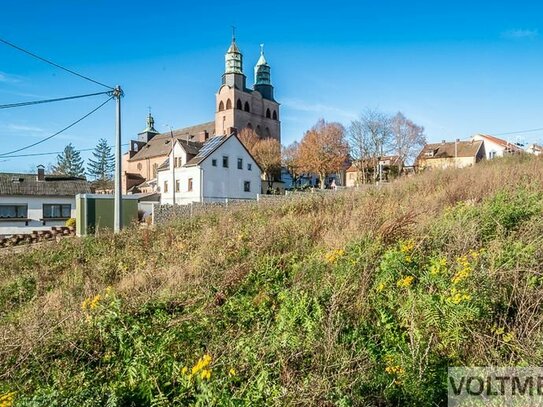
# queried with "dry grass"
point(206, 260)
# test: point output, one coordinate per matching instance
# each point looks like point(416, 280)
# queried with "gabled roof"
point(52, 185)
point(371, 161)
point(500, 142)
point(207, 149)
point(160, 145)
point(451, 149)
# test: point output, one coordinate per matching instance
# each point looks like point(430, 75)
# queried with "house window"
point(57, 210)
point(247, 186)
point(214, 162)
point(13, 211)
point(165, 186)
point(240, 163)
point(225, 161)
point(177, 162)
point(177, 185)
point(190, 185)
point(249, 166)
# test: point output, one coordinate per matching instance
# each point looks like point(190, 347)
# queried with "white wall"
point(227, 183)
point(218, 183)
point(492, 150)
point(35, 213)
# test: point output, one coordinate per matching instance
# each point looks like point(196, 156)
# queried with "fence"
point(166, 213)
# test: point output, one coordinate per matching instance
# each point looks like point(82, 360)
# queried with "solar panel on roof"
point(209, 146)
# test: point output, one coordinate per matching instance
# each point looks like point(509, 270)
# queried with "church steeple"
point(150, 131)
point(233, 70)
point(263, 76)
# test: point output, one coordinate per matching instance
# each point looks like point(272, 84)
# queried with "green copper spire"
point(150, 124)
point(262, 69)
point(233, 58)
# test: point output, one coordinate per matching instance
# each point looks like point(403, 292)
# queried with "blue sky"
point(455, 67)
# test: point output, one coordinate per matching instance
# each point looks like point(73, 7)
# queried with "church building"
point(237, 107)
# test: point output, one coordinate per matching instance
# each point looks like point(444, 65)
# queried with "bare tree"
point(370, 139)
point(408, 138)
point(323, 150)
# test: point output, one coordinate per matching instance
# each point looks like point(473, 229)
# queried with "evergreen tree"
point(101, 168)
point(69, 162)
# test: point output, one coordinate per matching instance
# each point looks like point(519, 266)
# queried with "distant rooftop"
point(52, 185)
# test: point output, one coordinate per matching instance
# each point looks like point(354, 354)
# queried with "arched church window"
point(274, 115)
point(268, 134)
point(247, 109)
point(238, 105)
point(268, 114)
point(221, 106)
point(228, 104)
point(249, 126)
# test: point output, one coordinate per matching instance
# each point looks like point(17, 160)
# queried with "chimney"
point(231, 131)
point(41, 173)
point(443, 141)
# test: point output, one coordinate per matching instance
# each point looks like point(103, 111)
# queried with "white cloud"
point(519, 34)
point(322, 109)
point(7, 78)
point(24, 128)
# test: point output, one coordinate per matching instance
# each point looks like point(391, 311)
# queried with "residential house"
point(456, 154)
point(145, 155)
point(534, 149)
point(497, 147)
point(389, 166)
point(37, 201)
point(221, 169)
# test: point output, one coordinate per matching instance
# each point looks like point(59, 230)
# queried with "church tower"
point(238, 107)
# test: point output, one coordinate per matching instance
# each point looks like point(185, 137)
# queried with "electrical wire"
point(54, 64)
point(51, 153)
point(37, 102)
point(518, 132)
point(57, 133)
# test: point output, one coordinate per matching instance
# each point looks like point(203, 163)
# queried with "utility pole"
point(174, 184)
point(117, 205)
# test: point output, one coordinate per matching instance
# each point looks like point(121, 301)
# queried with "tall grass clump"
point(347, 299)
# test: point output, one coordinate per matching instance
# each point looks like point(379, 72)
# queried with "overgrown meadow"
point(349, 299)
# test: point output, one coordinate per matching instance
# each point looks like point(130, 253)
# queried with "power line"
point(37, 102)
point(518, 132)
point(54, 64)
point(50, 153)
point(58, 132)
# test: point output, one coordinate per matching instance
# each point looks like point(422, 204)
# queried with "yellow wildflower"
point(380, 287)
point(232, 372)
point(395, 370)
point(202, 363)
point(334, 255)
point(94, 302)
point(206, 374)
point(6, 399)
point(407, 247)
point(405, 282)
point(184, 370)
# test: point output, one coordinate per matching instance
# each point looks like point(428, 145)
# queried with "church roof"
point(160, 144)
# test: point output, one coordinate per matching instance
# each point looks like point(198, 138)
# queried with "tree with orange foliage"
point(323, 150)
point(249, 139)
point(267, 153)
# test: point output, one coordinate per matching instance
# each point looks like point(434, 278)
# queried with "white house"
point(534, 149)
point(496, 147)
point(221, 169)
point(37, 201)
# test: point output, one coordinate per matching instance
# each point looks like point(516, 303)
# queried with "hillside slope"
point(354, 298)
